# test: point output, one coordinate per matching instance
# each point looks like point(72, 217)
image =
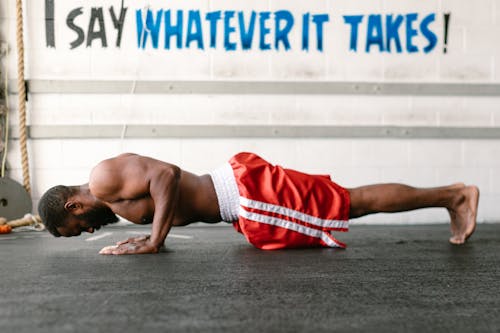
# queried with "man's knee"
point(358, 204)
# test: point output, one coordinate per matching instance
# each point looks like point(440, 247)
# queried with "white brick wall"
point(473, 57)
point(87, 109)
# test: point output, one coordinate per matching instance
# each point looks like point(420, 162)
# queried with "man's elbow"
point(172, 174)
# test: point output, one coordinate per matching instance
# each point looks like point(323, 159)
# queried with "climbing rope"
point(21, 87)
point(5, 123)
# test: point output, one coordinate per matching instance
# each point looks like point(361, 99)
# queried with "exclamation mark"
point(446, 23)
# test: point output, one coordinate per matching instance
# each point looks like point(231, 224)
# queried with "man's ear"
point(72, 206)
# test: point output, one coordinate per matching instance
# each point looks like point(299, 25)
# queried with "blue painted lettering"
point(305, 32)
point(374, 33)
point(392, 30)
point(149, 28)
point(228, 30)
point(282, 32)
point(319, 20)
point(173, 30)
point(194, 32)
point(428, 34)
point(411, 32)
point(246, 34)
point(264, 30)
point(213, 18)
point(354, 21)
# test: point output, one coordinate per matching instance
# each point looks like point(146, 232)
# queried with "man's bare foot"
point(464, 213)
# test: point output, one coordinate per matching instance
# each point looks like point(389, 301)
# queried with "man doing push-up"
point(273, 207)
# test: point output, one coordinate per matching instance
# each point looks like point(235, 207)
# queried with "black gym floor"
point(389, 279)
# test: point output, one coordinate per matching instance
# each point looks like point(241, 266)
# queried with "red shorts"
point(282, 208)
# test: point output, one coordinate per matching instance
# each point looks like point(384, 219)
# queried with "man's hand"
point(134, 240)
point(137, 245)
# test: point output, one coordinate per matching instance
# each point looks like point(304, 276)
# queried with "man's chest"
point(139, 211)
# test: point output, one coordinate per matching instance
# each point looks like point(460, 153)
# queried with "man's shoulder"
point(116, 160)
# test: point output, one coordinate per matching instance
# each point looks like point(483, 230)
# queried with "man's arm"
point(164, 189)
point(129, 177)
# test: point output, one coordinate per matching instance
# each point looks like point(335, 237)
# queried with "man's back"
point(124, 183)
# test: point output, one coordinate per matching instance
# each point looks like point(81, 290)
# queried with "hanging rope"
point(21, 87)
point(5, 120)
point(5, 114)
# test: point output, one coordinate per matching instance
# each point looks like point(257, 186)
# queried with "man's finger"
point(122, 242)
point(108, 249)
point(133, 240)
point(128, 248)
point(132, 248)
point(129, 240)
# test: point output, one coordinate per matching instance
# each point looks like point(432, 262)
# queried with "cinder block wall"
point(472, 59)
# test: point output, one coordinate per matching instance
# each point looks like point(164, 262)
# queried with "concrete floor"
point(391, 278)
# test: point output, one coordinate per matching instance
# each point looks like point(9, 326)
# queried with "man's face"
point(89, 221)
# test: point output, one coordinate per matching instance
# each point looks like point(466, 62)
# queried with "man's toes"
point(457, 240)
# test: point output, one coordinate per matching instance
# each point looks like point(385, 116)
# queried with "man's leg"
point(461, 202)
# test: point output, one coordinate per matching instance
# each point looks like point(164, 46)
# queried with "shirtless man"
point(144, 190)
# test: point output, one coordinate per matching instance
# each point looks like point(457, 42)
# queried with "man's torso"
point(197, 202)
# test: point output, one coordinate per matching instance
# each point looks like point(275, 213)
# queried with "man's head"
point(70, 210)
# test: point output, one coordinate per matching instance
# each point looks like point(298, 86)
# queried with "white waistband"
point(227, 192)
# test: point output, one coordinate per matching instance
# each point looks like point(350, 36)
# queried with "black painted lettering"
point(50, 40)
point(118, 22)
point(70, 21)
point(97, 16)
